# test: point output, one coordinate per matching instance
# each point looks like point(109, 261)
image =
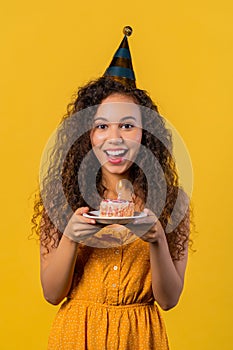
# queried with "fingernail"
point(92, 221)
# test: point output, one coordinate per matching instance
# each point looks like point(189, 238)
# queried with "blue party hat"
point(121, 68)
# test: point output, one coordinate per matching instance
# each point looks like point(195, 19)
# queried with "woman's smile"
point(116, 156)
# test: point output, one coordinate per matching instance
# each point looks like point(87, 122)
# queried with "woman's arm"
point(167, 275)
point(57, 269)
point(57, 266)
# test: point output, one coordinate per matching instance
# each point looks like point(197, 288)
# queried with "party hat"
point(121, 68)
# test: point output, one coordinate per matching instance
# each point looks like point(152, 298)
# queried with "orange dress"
point(111, 304)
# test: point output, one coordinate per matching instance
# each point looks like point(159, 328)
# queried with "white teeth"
point(115, 153)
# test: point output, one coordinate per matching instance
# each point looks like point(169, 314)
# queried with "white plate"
point(113, 219)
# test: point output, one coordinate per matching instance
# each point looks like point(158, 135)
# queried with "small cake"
point(116, 207)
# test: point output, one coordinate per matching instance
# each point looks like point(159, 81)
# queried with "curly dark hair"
point(62, 187)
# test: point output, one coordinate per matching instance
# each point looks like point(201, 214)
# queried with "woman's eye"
point(127, 126)
point(101, 126)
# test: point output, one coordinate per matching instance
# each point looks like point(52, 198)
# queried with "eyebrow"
point(122, 119)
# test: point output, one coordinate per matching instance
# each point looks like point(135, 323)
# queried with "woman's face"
point(117, 133)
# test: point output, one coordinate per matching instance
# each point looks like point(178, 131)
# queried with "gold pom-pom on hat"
point(128, 30)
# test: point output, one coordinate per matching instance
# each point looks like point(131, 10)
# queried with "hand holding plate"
point(148, 228)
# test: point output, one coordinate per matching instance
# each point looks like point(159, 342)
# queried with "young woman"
point(114, 278)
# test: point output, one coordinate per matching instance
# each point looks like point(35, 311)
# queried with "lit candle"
point(119, 189)
point(124, 189)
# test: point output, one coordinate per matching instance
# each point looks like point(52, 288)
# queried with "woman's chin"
point(116, 168)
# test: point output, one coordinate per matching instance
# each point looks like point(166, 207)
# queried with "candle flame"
point(120, 185)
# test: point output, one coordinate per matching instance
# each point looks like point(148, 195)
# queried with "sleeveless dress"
point(111, 304)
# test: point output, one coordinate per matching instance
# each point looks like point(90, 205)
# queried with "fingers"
point(147, 221)
point(79, 231)
point(150, 213)
point(79, 213)
point(81, 210)
point(79, 228)
point(151, 235)
point(146, 228)
point(154, 233)
point(150, 238)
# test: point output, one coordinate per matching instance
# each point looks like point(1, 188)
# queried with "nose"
point(117, 141)
point(114, 135)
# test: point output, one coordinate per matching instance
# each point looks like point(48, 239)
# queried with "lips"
point(116, 156)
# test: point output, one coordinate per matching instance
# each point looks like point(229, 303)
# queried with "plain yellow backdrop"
point(182, 54)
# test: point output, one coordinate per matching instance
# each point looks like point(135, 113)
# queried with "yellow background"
point(182, 54)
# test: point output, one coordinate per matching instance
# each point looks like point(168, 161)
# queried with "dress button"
point(115, 267)
point(114, 285)
point(117, 251)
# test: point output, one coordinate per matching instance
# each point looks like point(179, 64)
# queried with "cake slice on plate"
point(116, 208)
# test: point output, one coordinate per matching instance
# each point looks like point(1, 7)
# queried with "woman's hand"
point(149, 228)
point(80, 228)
